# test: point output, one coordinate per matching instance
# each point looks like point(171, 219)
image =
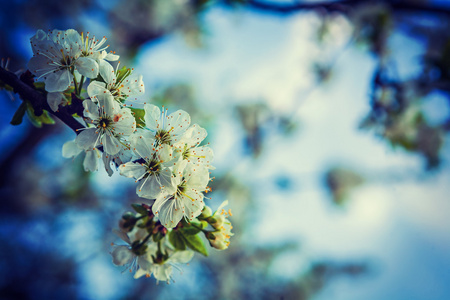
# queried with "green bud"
point(206, 212)
point(204, 224)
point(128, 215)
point(216, 221)
point(127, 222)
point(157, 237)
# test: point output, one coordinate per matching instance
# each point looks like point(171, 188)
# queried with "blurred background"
point(329, 121)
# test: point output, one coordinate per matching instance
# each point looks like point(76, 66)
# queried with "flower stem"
point(145, 240)
point(72, 70)
point(81, 86)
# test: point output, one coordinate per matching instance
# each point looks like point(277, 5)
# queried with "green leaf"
point(177, 240)
point(195, 243)
point(46, 118)
point(157, 237)
point(122, 73)
point(18, 115)
point(138, 114)
point(191, 230)
point(39, 85)
point(139, 209)
point(30, 113)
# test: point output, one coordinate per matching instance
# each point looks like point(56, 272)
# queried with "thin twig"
point(39, 101)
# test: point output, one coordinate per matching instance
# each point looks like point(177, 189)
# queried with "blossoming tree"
point(72, 77)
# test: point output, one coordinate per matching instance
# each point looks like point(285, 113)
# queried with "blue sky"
point(399, 225)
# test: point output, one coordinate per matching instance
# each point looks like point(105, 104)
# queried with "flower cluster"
point(149, 248)
point(163, 152)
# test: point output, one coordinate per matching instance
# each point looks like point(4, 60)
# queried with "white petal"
point(39, 65)
point(152, 117)
point(122, 235)
point(90, 109)
point(73, 37)
point(91, 160)
point(111, 57)
point(194, 135)
point(179, 121)
point(58, 81)
point(125, 124)
point(201, 156)
point(139, 273)
point(122, 255)
point(197, 177)
point(37, 41)
point(107, 162)
point(106, 101)
point(87, 138)
point(95, 88)
point(166, 181)
point(165, 153)
point(70, 149)
point(149, 188)
point(142, 146)
point(181, 257)
point(192, 203)
point(107, 72)
point(111, 144)
point(87, 66)
point(132, 170)
point(133, 85)
point(144, 263)
point(55, 99)
point(169, 211)
point(222, 205)
point(162, 272)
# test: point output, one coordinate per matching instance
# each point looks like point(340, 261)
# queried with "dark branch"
point(343, 6)
point(39, 100)
point(296, 7)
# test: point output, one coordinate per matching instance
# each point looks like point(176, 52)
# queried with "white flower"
point(187, 201)
point(132, 255)
point(189, 148)
point(90, 163)
point(92, 47)
point(153, 169)
point(121, 86)
point(123, 156)
point(111, 122)
point(54, 99)
point(160, 268)
point(220, 239)
point(56, 56)
point(167, 129)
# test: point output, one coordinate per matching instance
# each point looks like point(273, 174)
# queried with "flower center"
point(104, 123)
point(185, 154)
point(163, 136)
point(152, 166)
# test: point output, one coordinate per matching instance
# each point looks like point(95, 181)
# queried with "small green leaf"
point(138, 116)
point(31, 116)
point(177, 240)
point(46, 118)
point(190, 230)
point(157, 237)
point(195, 243)
point(39, 85)
point(122, 73)
point(18, 115)
point(139, 209)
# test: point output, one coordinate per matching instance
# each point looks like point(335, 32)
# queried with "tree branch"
point(343, 6)
point(39, 101)
point(286, 9)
